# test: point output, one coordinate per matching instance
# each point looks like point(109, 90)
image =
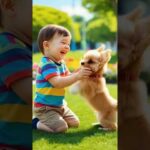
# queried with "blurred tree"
point(43, 15)
point(81, 44)
point(100, 29)
point(76, 31)
point(78, 18)
point(103, 26)
point(100, 6)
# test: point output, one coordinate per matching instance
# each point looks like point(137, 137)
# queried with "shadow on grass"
point(72, 137)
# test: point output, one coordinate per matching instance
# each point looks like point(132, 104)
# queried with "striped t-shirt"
point(46, 93)
point(15, 114)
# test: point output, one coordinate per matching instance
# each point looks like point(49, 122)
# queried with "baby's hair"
point(48, 32)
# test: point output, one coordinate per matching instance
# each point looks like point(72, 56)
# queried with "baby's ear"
point(106, 55)
point(101, 48)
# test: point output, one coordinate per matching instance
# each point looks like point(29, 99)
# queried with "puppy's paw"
point(106, 129)
point(74, 89)
point(97, 124)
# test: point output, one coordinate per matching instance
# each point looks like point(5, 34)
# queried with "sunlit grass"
point(85, 137)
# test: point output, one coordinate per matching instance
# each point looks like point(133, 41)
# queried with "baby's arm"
point(23, 88)
point(61, 82)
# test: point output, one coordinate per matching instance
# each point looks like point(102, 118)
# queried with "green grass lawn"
point(85, 137)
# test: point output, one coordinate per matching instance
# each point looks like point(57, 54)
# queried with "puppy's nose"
point(82, 63)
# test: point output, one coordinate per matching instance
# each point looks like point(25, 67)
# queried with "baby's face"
point(58, 47)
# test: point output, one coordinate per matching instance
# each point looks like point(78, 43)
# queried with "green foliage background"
point(43, 15)
point(103, 26)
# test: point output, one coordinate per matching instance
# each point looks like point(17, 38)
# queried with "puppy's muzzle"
point(82, 63)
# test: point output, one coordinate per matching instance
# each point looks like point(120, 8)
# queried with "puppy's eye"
point(90, 62)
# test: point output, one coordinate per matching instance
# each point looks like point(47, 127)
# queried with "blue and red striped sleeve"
point(15, 64)
point(49, 70)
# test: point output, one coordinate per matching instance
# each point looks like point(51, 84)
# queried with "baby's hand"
point(84, 73)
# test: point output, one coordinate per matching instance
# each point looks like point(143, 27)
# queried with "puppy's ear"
point(142, 28)
point(140, 48)
point(135, 14)
point(106, 56)
point(101, 48)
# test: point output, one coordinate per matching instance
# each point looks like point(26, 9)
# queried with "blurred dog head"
point(96, 59)
point(133, 32)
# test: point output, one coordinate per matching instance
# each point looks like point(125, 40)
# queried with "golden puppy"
point(95, 91)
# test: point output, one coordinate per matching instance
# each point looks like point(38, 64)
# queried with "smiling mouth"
point(63, 53)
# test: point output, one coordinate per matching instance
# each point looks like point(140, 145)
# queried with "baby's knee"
point(73, 123)
point(61, 127)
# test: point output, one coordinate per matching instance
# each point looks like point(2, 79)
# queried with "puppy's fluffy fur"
point(133, 119)
point(94, 88)
point(132, 90)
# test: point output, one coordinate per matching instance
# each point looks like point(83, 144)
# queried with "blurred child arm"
point(23, 88)
point(61, 82)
